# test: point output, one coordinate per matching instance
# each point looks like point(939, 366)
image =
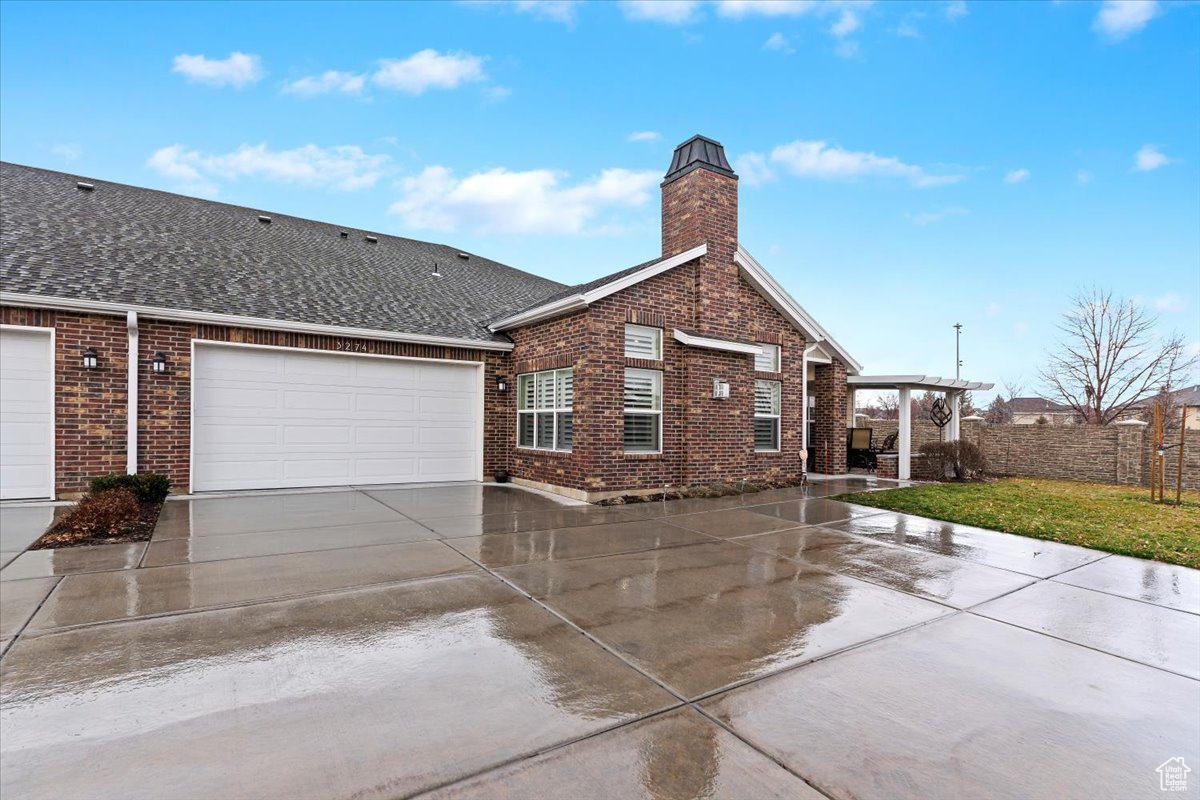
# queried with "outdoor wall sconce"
point(501, 384)
point(720, 389)
point(90, 359)
point(159, 363)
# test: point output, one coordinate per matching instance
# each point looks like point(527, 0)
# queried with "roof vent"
point(437, 271)
point(264, 219)
point(344, 234)
point(85, 187)
point(371, 239)
point(464, 256)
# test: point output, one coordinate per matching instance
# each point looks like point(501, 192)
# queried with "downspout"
point(804, 409)
point(131, 393)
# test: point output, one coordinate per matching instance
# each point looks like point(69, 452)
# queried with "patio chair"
point(858, 449)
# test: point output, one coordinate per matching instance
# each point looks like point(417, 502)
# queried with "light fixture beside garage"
point(91, 359)
point(159, 363)
point(501, 384)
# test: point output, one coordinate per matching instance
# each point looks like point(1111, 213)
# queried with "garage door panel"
point(297, 421)
point(26, 414)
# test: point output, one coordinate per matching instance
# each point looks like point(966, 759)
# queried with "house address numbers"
point(352, 346)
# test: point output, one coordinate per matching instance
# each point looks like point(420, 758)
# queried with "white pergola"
point(952, 388)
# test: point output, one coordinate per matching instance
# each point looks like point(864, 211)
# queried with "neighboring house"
point(1028, 410)
point(1190, 399)
point(236, 349)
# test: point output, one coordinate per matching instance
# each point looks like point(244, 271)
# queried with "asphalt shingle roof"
point(580, 288)
point(125, 244)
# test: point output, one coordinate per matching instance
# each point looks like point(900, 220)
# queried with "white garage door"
point(274, 418)
point(26, 413)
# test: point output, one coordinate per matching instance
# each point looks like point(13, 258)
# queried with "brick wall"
point(828, 449)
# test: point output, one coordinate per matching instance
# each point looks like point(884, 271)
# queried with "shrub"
point(147, 487)
point(104, 512)
point(963, 459)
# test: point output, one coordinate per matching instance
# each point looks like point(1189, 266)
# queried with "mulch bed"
point(708, 490)
point(61, 533)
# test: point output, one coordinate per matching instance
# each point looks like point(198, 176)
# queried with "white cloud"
point(931, 217)
point(1171, 302)
point(1020, 329)
point(644, 136)
point(1119, 19)
point(817, 159)
point(1083, 176)
point(428, 69)
point(328, 81)
point(779, 43)
point(753, 170)
point(1149, 158)
point(344, 167)
point(496, 94)
point(908, 27)
point(671, 12)
point(847, 24)
point(767, 8)
point(993, 310)
point(846, 49)
point(956, 9)
point(67, 152)
point(556, 10)
point(530, 202)
point(1017, 176)
point(238, 69)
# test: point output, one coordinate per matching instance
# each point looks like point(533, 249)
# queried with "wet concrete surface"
point(73, 560)
point(1149, 581)
point(179, 550)
point(1035, 557)
point(21, 526)
point(706, 616)
point(542, 652)
point(372, 694)
point(679, 755)
point(19, 600)
point(512, 549)
point(108, 596)
point(971, 708)
point(947, 580)
point(1160, 637)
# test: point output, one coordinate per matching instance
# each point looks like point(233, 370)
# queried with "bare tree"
point(888, 406)
point(999, 412)
point(966, 405)
point(1110, 357)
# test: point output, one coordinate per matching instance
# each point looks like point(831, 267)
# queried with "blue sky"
point(904, 166)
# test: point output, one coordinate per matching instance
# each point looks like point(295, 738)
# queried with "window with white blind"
point(766, 416)
point(643, 342)
point(643, 411)
point(544, 409)
point(768, 359)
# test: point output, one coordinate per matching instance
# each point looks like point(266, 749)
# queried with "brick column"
point(829, 389)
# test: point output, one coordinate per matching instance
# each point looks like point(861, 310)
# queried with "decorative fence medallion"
point(939, 414)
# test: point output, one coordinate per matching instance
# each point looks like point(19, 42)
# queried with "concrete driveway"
point(476, 641)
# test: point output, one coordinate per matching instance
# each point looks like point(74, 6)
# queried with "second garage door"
point(268, 418)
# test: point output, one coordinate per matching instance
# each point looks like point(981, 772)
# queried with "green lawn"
point(1117, 519)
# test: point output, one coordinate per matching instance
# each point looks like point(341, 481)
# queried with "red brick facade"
point(704, 440)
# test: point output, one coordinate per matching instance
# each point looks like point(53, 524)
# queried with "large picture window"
point(544, 409)
point(766, 416)
point(643, 411)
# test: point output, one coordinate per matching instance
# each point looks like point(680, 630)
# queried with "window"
point(766, 416)
point(768, 359)
point(643, 342)
point(643, 411)
point(544, 404)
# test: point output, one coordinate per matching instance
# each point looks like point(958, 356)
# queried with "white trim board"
point(585, 299)
point(235, 321)
point(708, 343)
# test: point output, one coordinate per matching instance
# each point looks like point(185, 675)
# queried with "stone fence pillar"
point(1131, 442)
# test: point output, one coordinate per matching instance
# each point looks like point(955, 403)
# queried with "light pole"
point(957, 358)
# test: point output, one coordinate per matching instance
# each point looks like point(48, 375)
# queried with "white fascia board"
point(234, 321)
point(716, 344)
point(930, 382)
point(785, 304)
point(585, 299)
point(817, 354)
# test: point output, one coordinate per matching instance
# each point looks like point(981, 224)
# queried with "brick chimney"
point(699, 205)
